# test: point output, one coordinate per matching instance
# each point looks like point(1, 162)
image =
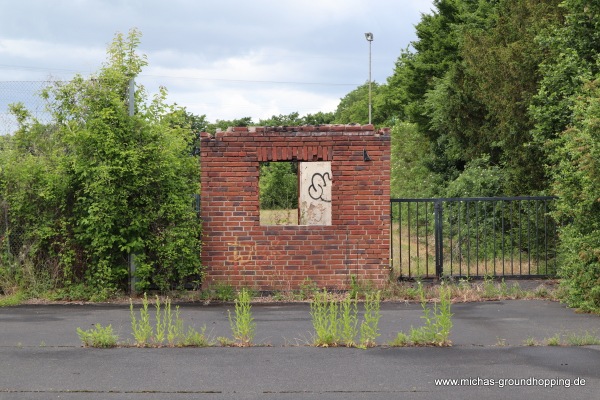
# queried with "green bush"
point(96, 185)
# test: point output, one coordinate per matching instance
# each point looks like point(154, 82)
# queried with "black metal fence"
point(473, 237)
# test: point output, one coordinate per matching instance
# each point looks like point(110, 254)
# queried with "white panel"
point(315, 193)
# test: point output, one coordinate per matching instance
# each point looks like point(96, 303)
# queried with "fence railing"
point(473, 237)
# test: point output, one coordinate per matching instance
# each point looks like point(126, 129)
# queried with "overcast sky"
point(222, 58)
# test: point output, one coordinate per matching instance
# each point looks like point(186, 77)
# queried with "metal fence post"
point(439, 238)
point(131, 257)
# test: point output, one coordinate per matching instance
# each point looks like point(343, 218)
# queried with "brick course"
point(238, 251)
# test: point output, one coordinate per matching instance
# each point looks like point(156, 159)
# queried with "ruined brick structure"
point(237, 250)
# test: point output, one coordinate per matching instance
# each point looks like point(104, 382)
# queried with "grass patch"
point(219, 291)
point(279, 217)
point(573, 339)
point(13, 299)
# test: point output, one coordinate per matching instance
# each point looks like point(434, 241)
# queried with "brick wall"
point(238, 251)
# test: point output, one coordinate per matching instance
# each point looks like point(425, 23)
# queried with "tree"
point(566, 111)
point(294, 119)
point(354, 107)
point(576, 180)
point(426, 88)
point(319, 118)
point(501, 60)
point(571, 50)
point(410, 176)
point(224, 124)
point(469, 83)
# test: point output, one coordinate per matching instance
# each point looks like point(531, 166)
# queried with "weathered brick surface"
point(238, 251)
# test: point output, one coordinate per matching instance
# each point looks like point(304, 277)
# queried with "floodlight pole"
point(369, 37)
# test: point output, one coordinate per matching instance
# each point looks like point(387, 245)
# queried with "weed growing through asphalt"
point(174, 326)
point(438, 324)
point(553, 341)
point(586, 339)
point(159, 337)
point(336, 322)
point(225, 341)
point(324, 313)
point(530, 342)
point(348, 321)
point(142, 330)
point(196, 339)
point(168, 326)
point(369, 328)
point(242, 324)
point(401, 340)
point(98, 336)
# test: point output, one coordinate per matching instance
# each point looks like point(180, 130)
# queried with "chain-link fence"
point(29, 93)
point(11, 236)
point(26, 92)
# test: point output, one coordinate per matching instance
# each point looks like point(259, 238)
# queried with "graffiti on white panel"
point(318, 186)
point(315, 193)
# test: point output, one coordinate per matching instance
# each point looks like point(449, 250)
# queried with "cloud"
point(36, 50)
point(262, 103)
point(226, 58)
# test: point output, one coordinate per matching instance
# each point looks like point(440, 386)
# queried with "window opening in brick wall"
point(278, 193)
point(295, 193)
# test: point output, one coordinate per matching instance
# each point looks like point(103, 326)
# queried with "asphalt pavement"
point(41, 356)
